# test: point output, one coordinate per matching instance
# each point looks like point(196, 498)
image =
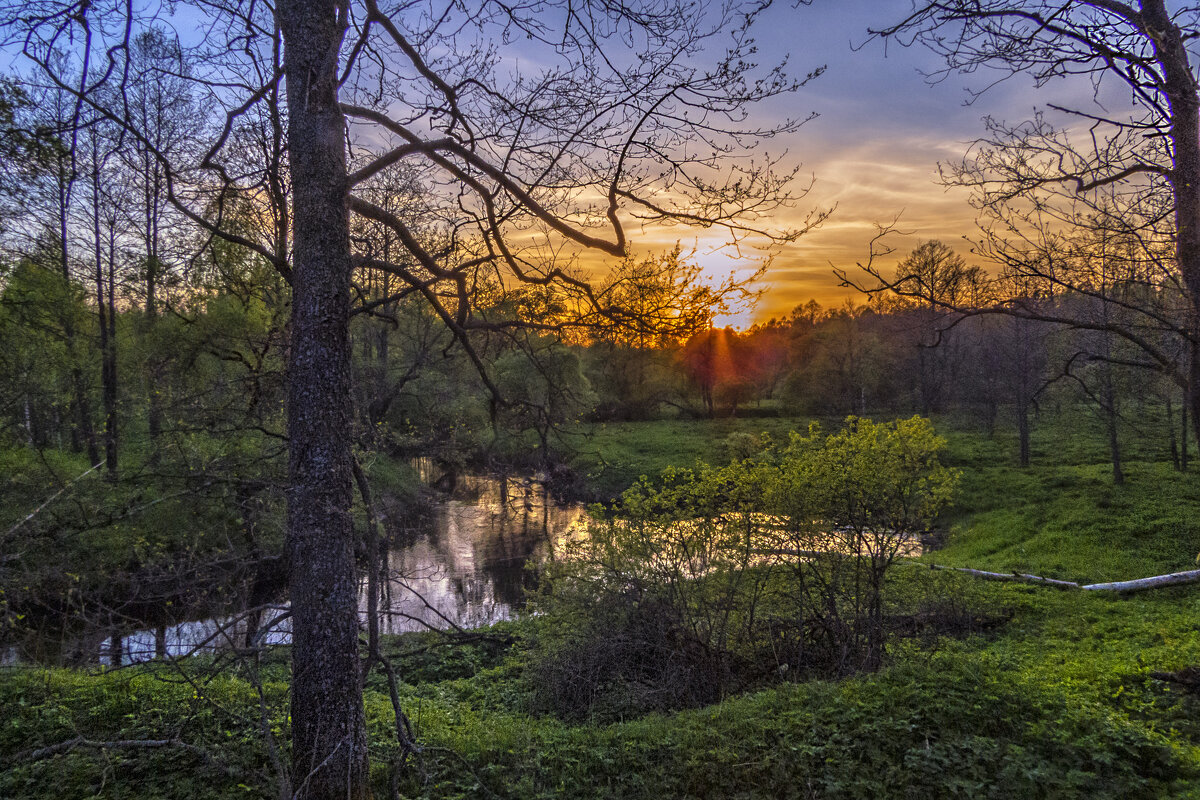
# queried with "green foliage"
point(94, 545)
point(37, 306)
point(874, 477)
point(1072, 523)
point(433, 657)
point(393, 478)
point(633, 383)
point(740, 445)
point(709, 580)
point(27, 148)
point(610, 457)
point(945, 730)
point(849, 368)
point(1057, 702)
point(204, 711)
point(1060, 705)
point(542, 386)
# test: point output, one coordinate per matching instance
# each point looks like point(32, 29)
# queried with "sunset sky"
point(872, 151)
point(875, 146)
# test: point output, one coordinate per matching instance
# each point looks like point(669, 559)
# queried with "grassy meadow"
point(1047, 694)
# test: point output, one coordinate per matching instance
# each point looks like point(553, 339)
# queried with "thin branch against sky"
point(872, 151)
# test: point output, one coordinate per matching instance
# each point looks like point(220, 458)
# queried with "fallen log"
point(1137, 585)
point(1154, 582)
point(1018, 577)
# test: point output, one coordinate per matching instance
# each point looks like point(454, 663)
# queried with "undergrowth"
point(1039, 693)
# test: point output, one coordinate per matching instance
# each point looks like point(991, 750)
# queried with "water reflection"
point(465, 564)
point(469, 565)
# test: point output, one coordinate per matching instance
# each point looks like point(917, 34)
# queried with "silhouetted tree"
point(525, 169)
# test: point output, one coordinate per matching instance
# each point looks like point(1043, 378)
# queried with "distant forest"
point(179, 357)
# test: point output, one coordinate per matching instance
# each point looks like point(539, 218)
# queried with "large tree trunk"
point(1171, 52)
point(329, 748)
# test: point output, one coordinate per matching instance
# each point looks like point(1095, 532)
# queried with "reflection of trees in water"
point(191, 604)
point(129, 641)
point(467, 564)
point(461, 562)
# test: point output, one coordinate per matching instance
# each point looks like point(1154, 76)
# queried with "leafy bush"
point(740, 445)
point(851, 503)
point(713, 579)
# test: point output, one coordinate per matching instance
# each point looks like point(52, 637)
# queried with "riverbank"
point(456, 550)
point(1059, 704)
point(1058, 695)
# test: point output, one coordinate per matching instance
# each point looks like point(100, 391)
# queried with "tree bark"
point(1171, 52)
point(329, 748)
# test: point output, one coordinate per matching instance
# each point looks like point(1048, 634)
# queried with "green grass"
point(1058, 702)
point(610, 457)
point(616, 453)
point(1071, 522)
point(1062, 516)
point(1060, 705)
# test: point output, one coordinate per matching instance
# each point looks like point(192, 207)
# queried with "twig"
point(42, 753)
point(51, 499)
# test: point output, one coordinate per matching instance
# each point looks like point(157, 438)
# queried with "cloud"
point(873, 182)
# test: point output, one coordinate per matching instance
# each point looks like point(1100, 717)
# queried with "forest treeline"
point(146, 315)
point(237, 274)
point(186, 365)
point(146, 327)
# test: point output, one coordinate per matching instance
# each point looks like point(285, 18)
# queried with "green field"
point(1053, 698)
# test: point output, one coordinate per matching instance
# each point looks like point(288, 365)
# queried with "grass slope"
point(1057, 703)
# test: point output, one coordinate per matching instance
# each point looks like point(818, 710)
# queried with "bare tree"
point(104, 188)
point(1133, 140)
point(936, 278)
point(527, 165)
point(62, 114)
point(156, 99)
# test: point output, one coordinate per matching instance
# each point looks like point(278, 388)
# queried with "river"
point(467, 563)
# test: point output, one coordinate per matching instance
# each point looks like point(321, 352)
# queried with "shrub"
point(715, 578)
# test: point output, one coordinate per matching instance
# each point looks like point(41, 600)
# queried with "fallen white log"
point(1138, 585)
point(1018, 577)
point(1174, 579)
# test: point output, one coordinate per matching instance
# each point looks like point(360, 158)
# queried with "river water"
point(467, 563)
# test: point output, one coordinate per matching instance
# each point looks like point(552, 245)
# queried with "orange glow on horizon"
point(875, 180)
